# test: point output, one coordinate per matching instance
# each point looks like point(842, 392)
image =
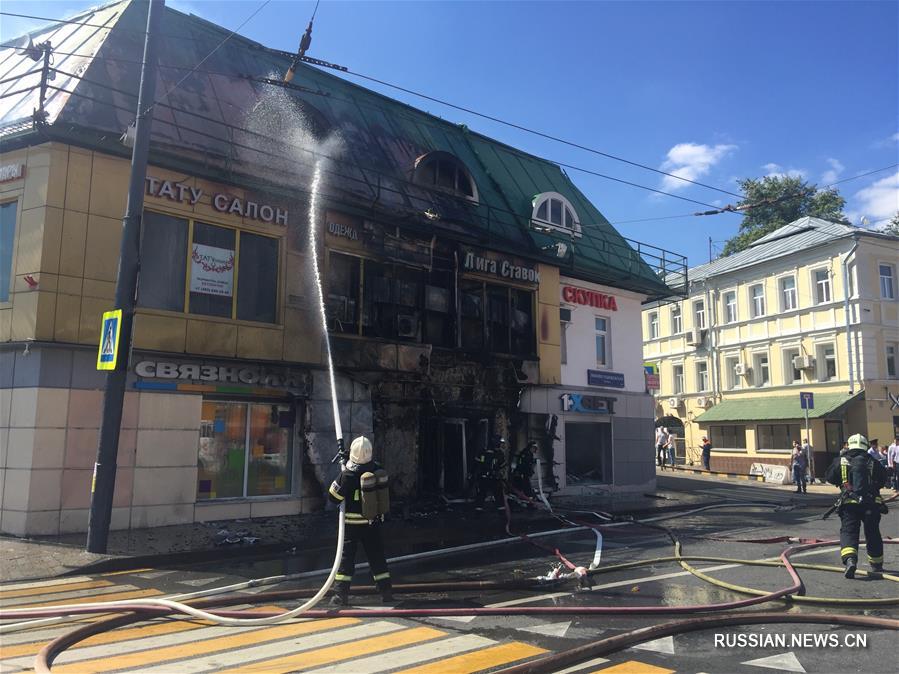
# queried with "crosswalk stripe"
point(322, 656)
point(479, 660)
point(218, 661)
point(126, 572)
point(71, 587)
point(581, 667)
point(29, 643)
point(46, 633)
point(44, 583)
point(634, 667)
point(64, 597)
point(104, 658)
point(167, 627)
point(409, 656)
point(93, 597)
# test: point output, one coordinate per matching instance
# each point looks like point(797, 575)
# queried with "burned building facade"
point(442, 253)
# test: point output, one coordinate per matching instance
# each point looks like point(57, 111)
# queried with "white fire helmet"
point(360, 450)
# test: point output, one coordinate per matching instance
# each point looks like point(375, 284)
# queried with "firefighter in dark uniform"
point(488, 472)
point(523, 471)
point(860, 479)
point(347, 489)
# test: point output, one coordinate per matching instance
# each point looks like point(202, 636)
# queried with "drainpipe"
point(848, 315)
point(711, 312)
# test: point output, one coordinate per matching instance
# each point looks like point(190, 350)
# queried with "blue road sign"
point(806, 400)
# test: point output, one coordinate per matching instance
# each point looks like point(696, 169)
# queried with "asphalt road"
point(486, 643)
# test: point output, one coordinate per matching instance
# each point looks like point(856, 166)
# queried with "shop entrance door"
point(833, 439)
point(444, 458)
point(588, 453)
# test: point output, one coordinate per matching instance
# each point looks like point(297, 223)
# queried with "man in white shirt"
point(893, 462)
point(661, 445)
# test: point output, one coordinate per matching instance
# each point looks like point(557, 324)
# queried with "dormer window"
point(553, 210)
point(444, 171)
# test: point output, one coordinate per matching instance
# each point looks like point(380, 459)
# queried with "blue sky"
point(714, 91)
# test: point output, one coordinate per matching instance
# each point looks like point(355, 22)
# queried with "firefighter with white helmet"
point(363, 486)
point(860, 479)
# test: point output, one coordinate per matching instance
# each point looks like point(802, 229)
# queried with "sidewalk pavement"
point(311, 535)
point(692, 471)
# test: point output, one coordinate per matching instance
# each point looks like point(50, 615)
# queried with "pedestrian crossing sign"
point(109, 340)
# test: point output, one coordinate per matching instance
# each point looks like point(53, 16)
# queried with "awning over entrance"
point(775, 408)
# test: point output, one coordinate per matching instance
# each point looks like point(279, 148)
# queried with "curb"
point(703, 471)
point(272, 549)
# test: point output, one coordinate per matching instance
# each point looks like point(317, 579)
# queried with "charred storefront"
point(443, 335)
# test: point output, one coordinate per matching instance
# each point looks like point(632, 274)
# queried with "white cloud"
point(878, 202)
point(777, 171)
point(889, 141)
point(691, 161)
point(832, 174)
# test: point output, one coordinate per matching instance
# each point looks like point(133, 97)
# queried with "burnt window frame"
point(430, 168)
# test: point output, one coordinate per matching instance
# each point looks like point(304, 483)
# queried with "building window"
point(776, 436)
point(728, 437)
point(891, 359)
point(342, 308)
point(654, 325)
point(733, 379)
point(788, 293)
point(223, 272)
point(678, 378)
point(887, 282)
point(792, 375)
point(760, 369)
point(498, 318)
point(553, 210)
point(244, 450)
point(677, 320)
point(397, 302)
point(730, 307)
point(757, 293)
point(445, 172)
point(602, 341)
point(699, 314)
point(702, 376)
point(822, 286)
point(7, 241)
point(827, 362)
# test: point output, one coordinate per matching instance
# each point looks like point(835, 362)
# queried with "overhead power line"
point(455, 106)
point(206, 58)
point(759, 204)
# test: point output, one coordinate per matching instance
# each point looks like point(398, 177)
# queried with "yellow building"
point(761, 326)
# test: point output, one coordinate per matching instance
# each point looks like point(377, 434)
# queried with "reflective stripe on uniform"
point(848, 552)
point(875, 560)
point(356, 521)
point(356, 495)
point(333, 491)
point(386, 575)
point(354, 516)
point(341, 577)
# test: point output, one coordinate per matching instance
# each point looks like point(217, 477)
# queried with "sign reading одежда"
point(108, 353)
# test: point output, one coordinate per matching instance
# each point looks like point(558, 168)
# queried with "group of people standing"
point(888, 457)
point(666, 443)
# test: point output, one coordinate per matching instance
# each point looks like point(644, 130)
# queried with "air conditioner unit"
point(406, 326)
point(673, 402)
point(703, 401)
point(741, 369)
point(803, 362)
point(694, 337)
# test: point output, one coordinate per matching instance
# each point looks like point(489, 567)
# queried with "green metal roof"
point(224, 119)
point(775, 408)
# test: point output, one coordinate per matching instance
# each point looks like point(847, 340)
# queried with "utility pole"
point(710, 249)
point(103, 483)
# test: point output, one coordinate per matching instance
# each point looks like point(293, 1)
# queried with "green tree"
point(777, 201)
point(892, 227)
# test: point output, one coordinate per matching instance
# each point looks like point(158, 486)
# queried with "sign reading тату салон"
point(223, 203)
